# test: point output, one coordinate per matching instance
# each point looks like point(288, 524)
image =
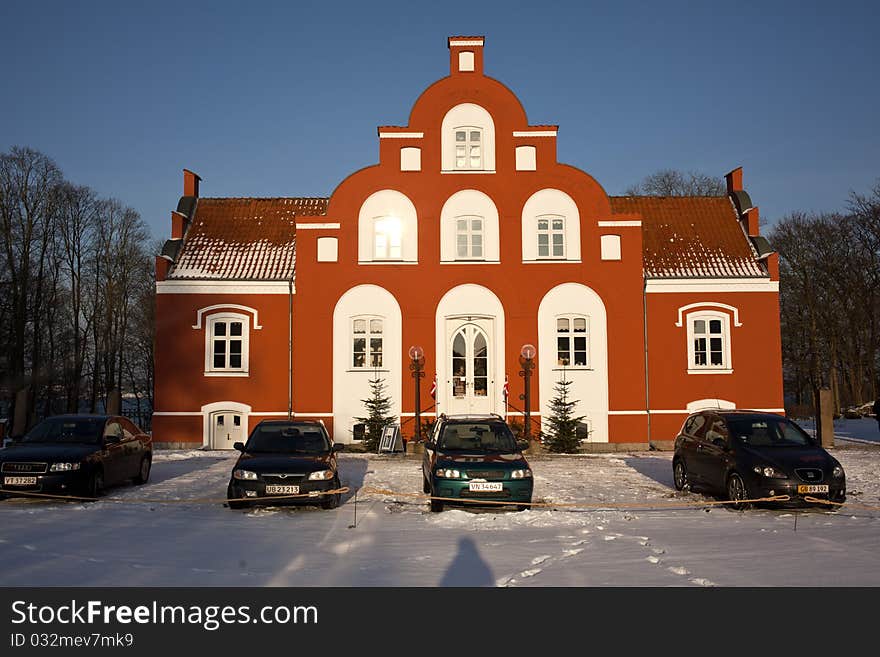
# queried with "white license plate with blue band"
point(485, 486)
point(272, 489)
point(19, 481)
point(812, 488)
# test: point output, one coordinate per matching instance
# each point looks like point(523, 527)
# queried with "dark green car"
point(475, 458)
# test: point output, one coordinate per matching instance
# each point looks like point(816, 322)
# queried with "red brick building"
point(470, 240)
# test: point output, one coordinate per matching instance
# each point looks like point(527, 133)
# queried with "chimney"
point(734, 180)
point(465, 55)
point(190, 183)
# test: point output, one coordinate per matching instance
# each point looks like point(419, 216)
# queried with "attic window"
point(466, 61)
point(468, 148)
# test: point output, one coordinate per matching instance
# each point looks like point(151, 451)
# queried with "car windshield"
point(288, 439)
point(762, 431)
point(67, 430)
point(481, 436)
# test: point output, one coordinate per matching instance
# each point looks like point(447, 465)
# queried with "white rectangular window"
point(367, 342)
point(469, 238)
point(526, 158)
point(468, 148)
point(551, 237)
point(226, 344)
point(572, 341)
point(610, 247)
point(709, 343)
point(388, 239)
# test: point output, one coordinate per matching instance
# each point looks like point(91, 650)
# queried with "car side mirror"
point(522, 445)
point(338, 447)
point(111, 439)
point(719, 442)
point(238, 446)
point(430, 444)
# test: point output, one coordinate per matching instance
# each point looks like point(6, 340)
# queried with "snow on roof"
point(243, 238)
point(691, 237)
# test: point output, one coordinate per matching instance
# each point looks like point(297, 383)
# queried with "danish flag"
point(434, 387)
point(506, 388)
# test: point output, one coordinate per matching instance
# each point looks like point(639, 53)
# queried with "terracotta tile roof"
point(243, 238)
point(691, 237)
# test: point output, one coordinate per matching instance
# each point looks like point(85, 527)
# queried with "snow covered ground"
point(617, 521)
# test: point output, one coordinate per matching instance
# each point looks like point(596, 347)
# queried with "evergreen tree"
point(377, 407)
point(561, 435)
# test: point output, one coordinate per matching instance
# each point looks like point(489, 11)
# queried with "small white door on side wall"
point(470, 384)
point(226, 429)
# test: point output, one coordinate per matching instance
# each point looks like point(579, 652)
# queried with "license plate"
point(281, 490)
point(812, 488)
point(484, 486)
point(19, 481)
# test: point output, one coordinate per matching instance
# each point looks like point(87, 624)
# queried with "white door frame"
point(486, 326)
point(209, 410)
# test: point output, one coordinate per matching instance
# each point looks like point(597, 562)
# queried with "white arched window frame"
point(469, 228)
point(227, 344)
point(367, 342)
point(550, 228)
point(572, 341)
point(387, 229)
point(708, 342)
point(467, 140)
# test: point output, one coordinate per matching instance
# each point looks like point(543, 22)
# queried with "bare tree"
point(670, 182)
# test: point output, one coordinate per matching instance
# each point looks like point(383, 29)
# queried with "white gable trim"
point(223, 287)
point(710, 285)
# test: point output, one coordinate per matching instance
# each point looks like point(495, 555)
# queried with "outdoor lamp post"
point(417, 363)
point(527, 361)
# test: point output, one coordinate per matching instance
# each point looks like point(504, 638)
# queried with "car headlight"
point(321, 475)
point(446, 473)
point(521, 474)
point(244, 474)
point(63, 467)
point(770, 472)
point(837, 472)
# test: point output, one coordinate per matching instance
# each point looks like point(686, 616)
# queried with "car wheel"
point(95, 487)
point(736, 490)
point(143, 474)
point(230, 496)
point(679, 475)
point(436, 506)
point(331, 501)
point(426, 485)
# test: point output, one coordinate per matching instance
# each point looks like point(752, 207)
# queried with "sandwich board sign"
point(391, 440)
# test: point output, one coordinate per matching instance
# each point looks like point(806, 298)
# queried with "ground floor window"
point(367, 342)
point(572, 341)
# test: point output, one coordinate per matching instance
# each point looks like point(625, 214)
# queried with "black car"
point(475, 458)
point(750, 455)
point(78, 455)
point(285, 458)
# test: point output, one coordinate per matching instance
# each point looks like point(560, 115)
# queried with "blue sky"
point(283, 99)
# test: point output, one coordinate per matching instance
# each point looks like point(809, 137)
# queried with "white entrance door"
point(470, 384)
point(226, 429)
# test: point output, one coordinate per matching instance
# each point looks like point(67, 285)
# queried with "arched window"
point(550, 227)
point(467, 140)
point(387, 228)
point(469, 228)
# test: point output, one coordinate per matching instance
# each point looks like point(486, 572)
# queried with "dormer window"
point(468, 148)
point(551, 237)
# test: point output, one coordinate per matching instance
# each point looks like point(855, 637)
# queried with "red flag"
point(506, 387)
point(434, 387)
